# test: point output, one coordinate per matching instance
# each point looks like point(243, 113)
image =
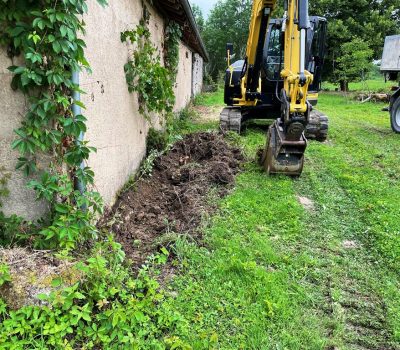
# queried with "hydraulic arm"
point(286, 143)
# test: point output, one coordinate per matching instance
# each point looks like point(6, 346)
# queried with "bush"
point(157, 140)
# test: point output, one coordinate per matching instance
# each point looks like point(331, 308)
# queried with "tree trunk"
point(344, 86)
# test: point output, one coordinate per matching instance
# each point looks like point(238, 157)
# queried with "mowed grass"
point(210, 99)
point(377, 84)
point(363, 156)
point(275, 275)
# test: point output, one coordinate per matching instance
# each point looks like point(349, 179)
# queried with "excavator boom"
point(261, 12)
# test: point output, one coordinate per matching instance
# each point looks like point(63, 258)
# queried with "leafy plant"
point(173, 34)
point(13, 229)
point(147, 165)
point(156, 140)
point(4, 274)
point(4, 177)
point(106, 309)
point(47, 35)
point(146, 75)
point(69, 223)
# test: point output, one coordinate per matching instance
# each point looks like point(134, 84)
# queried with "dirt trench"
point(174, 198)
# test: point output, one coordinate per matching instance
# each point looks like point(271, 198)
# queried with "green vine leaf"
point(48, 39)
point(145, 74)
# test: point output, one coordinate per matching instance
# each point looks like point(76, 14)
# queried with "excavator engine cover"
point(283, 156)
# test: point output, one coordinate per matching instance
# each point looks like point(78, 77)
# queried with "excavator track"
point(317, 127)
point(231, 119)
point(283, 156)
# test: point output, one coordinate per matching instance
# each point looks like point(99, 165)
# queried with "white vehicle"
point(390, 66)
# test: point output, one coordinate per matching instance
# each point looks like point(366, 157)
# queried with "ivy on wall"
point(106, 308)
point(144, 71)
point(4, 177)
point(171, 56)
point(45, 34)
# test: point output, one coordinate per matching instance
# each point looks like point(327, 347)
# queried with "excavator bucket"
point(283, 156)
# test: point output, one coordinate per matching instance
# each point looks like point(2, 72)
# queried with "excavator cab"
point(315, 52)
point(272, 66)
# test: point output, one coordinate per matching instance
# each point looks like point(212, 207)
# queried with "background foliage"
point(227, 22)
point(355, 21)
point(348, 21)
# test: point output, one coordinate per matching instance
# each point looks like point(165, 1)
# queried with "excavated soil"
point(173, 200)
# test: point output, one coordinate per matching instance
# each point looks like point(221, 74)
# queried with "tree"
point(367, 20)
point(354, 62)
point(228, 22)
point(198, 16)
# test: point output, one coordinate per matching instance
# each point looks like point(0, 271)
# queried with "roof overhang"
point(180, 12)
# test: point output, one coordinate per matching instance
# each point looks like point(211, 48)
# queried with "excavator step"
point(231, 119)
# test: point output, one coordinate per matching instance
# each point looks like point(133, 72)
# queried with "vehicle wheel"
point(395, 116)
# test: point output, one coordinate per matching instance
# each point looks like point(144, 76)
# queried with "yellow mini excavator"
point(272, 82)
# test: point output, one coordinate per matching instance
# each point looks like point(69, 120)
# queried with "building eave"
point(180, 12)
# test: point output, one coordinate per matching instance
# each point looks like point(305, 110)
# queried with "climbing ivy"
point(4, 177)
point(46, 34)
point(171, 56)
point(144, 71)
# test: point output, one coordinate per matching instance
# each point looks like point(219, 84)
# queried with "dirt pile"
point(174, 198)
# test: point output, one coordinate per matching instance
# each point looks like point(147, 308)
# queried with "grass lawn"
point(373, 85)
point(210, 99)
point(275, 274)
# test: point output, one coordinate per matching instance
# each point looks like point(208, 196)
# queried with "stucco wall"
point(197, 74)
point(21, 200)
point(115, 126)
point(183, 85)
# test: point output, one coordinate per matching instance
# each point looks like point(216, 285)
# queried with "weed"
point(157, 140)
point(107, 309)
point(4, 178)
point(4, 274)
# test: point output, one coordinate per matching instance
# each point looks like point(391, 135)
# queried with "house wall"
point(115, 126)
point(183, 85)
point(21, 200)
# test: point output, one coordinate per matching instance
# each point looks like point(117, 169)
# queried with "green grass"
point(273, 275)
point(211, 98)
point(369, 85)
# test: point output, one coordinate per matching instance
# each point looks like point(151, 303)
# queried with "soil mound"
point(174, 198)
